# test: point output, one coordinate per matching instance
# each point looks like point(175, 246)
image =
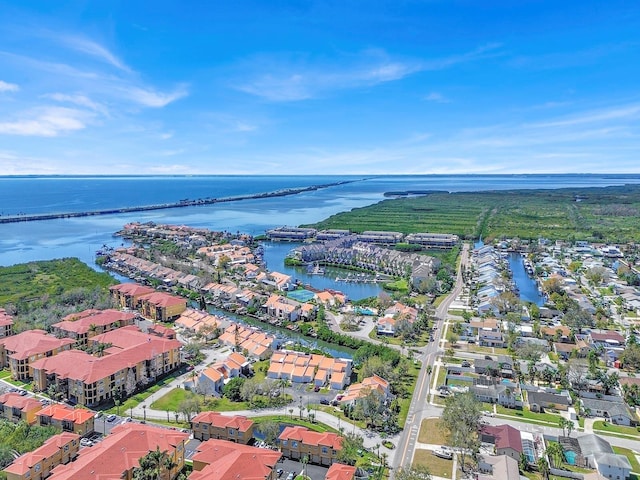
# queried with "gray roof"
point(592, 444)
point(612, 459)
point(549, 398)
point(613, 408)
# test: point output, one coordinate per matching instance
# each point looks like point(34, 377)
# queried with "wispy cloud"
point(91, 48)
point(593, 116)
point(287, 81)
point(77, 99)
point(436, 97)
point(8, 87)
point(152, 98)
point(46, 122)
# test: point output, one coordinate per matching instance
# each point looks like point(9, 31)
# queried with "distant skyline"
point(319, 87)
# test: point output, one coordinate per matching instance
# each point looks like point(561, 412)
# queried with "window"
point(284, 443)
point(294, 444)
point(232, 431)
point(66, 448)
point(37, 467)
point(325, 450)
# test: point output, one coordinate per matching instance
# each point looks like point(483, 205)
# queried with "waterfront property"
point(20, 351)
point(225, 460)
point(251, 340)
point(306, 368)
point(236, 428)
point(120, 452)
point(36, 465)
point(211, 380)
point(321, 448)
point(127, 295)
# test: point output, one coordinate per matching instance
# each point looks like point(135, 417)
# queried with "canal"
point(524, 282)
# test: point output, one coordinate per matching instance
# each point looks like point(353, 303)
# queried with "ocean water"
point(81, 237)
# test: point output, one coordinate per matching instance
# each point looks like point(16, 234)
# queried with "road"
point(420, 407)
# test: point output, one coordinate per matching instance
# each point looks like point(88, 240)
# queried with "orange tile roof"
point(233, 461)
point(213, 374)
point(161, 299)
point(61, 412)
point(120, 451)
point(5, 318)
point(239, 422)
point(338, 471)
point(308, 437)
point(32, 342)
point(132, 289)
point(82, 324)
point(24, 463)
point(15, 400)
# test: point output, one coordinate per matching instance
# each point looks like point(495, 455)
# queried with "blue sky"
point(331, 87)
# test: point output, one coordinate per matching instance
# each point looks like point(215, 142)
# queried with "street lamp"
point(144, 413)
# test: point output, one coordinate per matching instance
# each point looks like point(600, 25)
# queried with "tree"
point(416, 472)
point(270, 430)
point(233, 389)
point(543, 468)
point(461, 417)
point(351, 443)
point(608, 381)
point(555, 453)
point(154, 465)
point(189, 406)
point(566, 425)
point(630, 357)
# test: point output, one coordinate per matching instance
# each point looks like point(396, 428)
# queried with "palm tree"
point(543, 468)
point(555, 453)
point(304, 461)
point(153, 465)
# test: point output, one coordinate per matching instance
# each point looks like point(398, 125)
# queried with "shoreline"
point(179, 204)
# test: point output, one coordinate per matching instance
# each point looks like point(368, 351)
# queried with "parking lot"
point(315, 472)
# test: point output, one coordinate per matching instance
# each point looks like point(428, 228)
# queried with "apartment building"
point(161, 307)
point(66, 418)
point(37, 465)
point(6, 324)
point(19, 351)
point(223, 460)
point(127, 295)
point(89, 323)
point(15, 407)
point(320, 448)
point(120, 452)
point(133, 359)
point(236, 428)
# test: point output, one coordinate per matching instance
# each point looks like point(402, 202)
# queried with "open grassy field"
point(607, 427)
point(432, 432)
point(437, 466)
point(596, 214)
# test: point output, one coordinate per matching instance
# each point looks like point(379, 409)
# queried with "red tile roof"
point(161, 299)
point(83, 322)
point(23, 464)
point(308, 437)
point(505, 436)
point(32, 342)
point(338, 471)
point(5, 318)
point(132, 289)
point(239, 422)
point(60, 412)
point(233, 461)
point(15, 400)
point(120, 451)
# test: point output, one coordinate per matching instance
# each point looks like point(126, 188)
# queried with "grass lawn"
point(633, 460)
point(432, 432)
point(5, 373)
point(609, 427)
point(172, 400)
point(409, 380)
point(438, 467)
point(316, 426)
point(442, 376)
point(529, 416)
point(340, 414)
point(421, 341)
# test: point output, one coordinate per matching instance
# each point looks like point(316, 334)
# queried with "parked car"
point(279, 472)
point(324, 401)
point(465, 364)
point(98, 415)
point(111, 418)
point(290, 476)
point(85, 442)
point(23, 392)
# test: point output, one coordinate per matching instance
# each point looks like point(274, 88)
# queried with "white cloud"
point(436, 97)
point(91, 48)
point(47, 122)
point(287, 81)
point(77, 99)
point(152, 98)
point(8, 87)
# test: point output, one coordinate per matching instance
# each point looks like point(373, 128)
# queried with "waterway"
point(275, 253)
point(526, 285)
point(286, 334)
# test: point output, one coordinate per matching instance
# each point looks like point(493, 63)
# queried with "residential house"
point(133, 359)
point(566, 350)
point(612, 466)
point(558, 333)
point(68, 419)
point(593, 451)
point(505, 439)
point(82, 325)
point(492, 392)
point(321, 448)
point(280, 281)
point(15, 407)
point(616, 412)
point(223, 460)
point(331, 298)
point(282, 308)
point(304, 368)
point(339, 471)
point(251, 340)
point(606, 339)
point(127, 295)
point(235, 428)
point(194, 322)
point(500, 467)
point(37, 465)
point(120, 452)
point(161, 307)
point(539, 401)
point(6, 324)
point(387, 324)
point(212, 379)
point(19, 351)
point(357, 391)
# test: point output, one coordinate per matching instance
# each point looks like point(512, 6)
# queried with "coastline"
point(179, 204)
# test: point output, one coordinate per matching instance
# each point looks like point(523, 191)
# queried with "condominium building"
point(235, 428)
point(36, 465)
point(19, 351)
point(89, 323)
point(15, 407)
point(321, 448)
point(222, 460)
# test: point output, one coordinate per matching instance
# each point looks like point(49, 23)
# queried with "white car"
point(85, 442)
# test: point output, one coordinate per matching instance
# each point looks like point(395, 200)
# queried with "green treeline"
point(608, 214)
